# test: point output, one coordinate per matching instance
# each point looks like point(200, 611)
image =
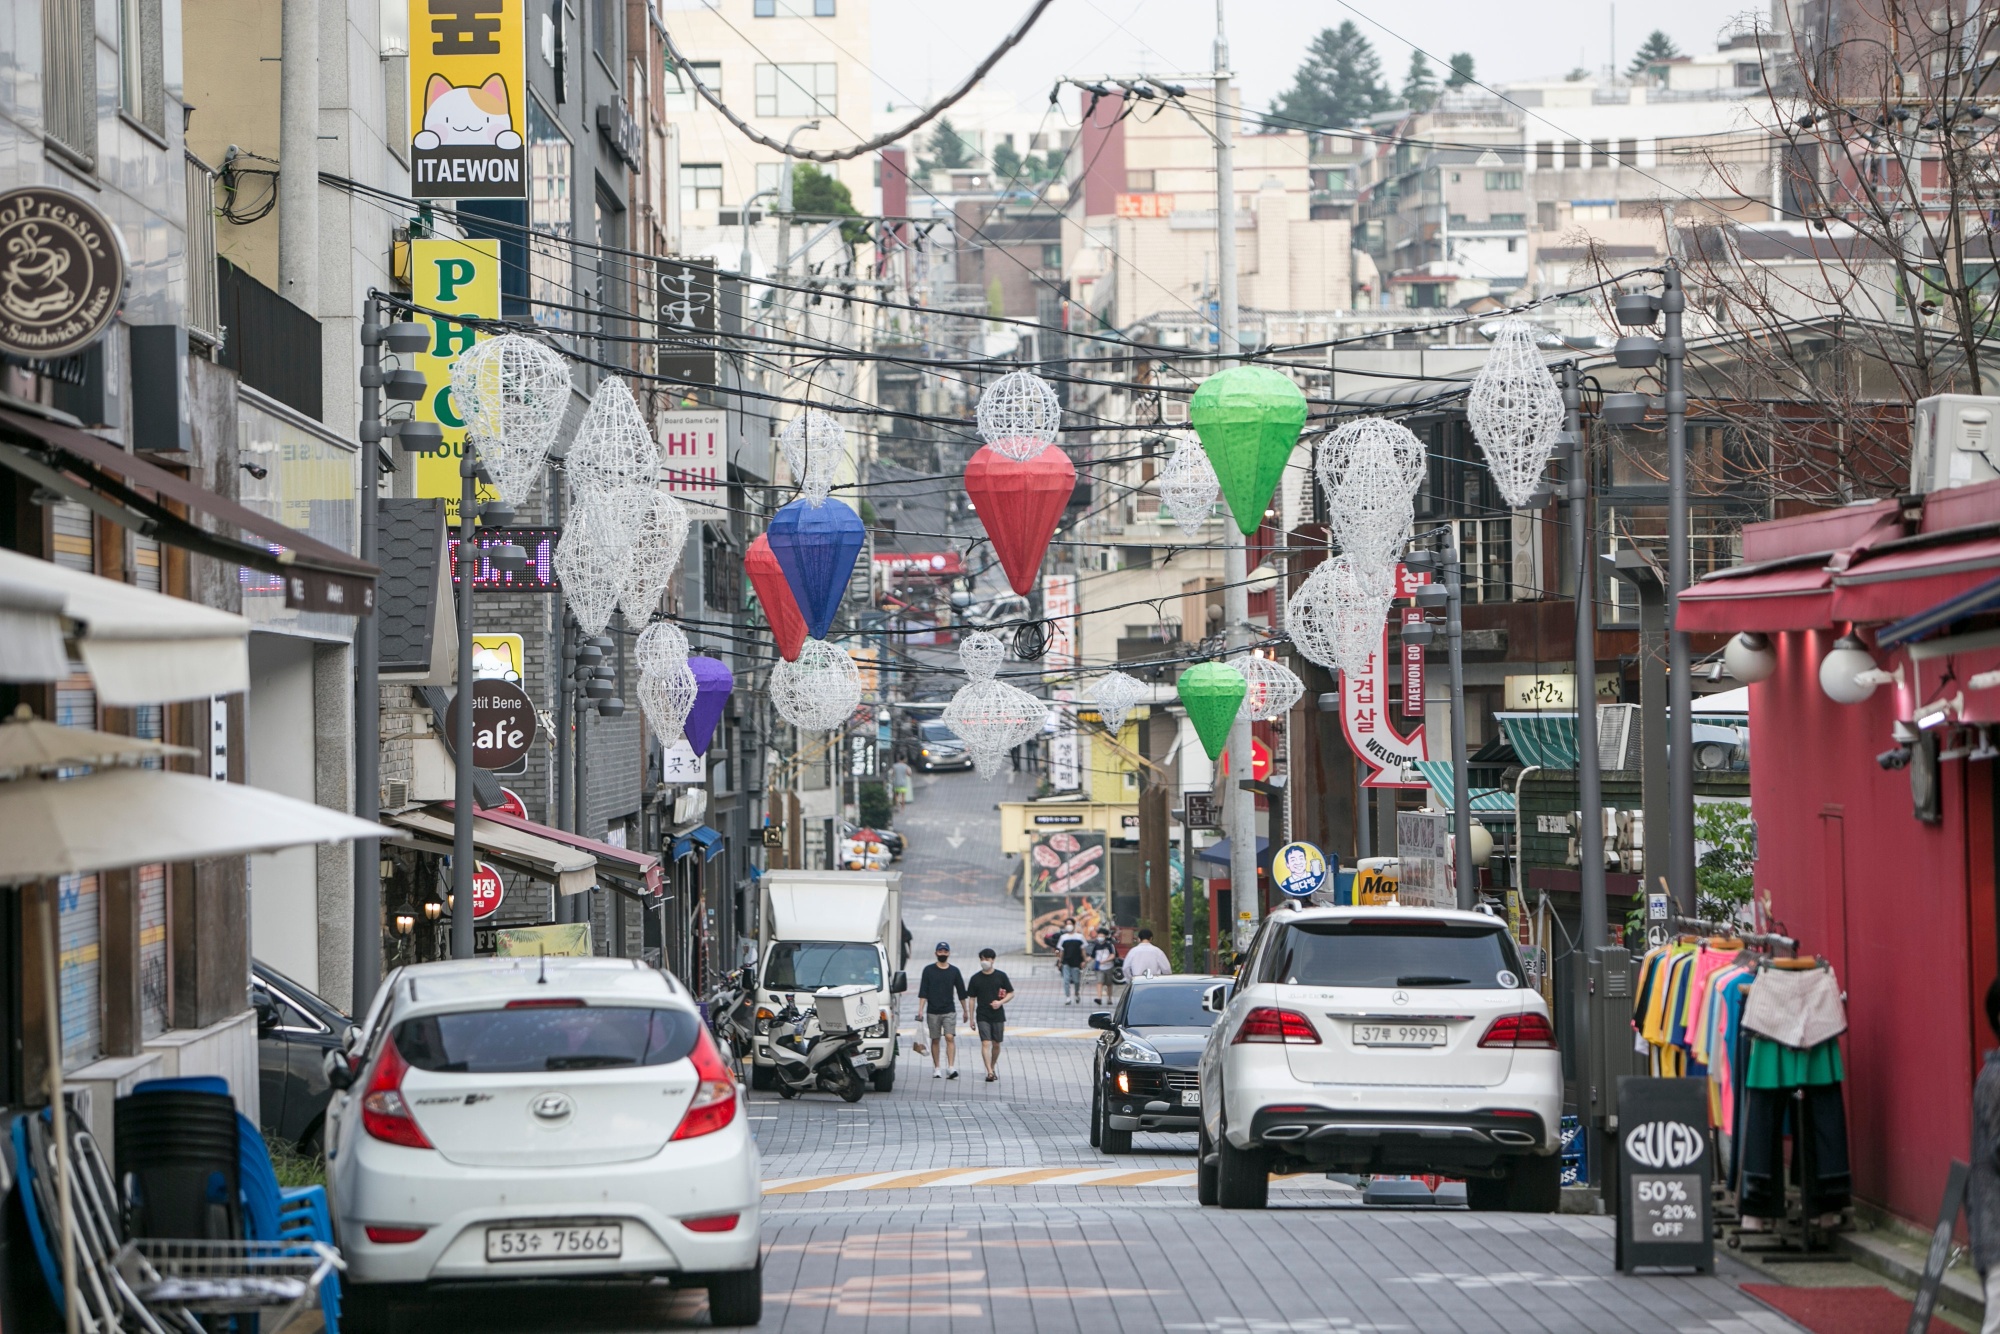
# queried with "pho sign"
point(62, 273)
point(503, 724)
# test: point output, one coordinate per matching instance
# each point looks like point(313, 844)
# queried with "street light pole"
point(366, 965)
point(1680, 677)
point(1238, 805)
point(786, 167)
point(1467, 877)
point(1590, 781)
point(462, 800)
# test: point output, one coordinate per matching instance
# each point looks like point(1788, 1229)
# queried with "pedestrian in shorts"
point(990, 990)
point(1104, 962)
point(941, 992)
point(1069, 953)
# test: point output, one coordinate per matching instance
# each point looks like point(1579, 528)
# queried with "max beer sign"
point(468, 99)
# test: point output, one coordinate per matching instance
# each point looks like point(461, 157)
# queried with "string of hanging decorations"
point(989, 715)
point(512, 393)
point(1516, 411)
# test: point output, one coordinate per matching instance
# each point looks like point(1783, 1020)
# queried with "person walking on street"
point(903, 780)
point(1146, 959)
point(941, 991)
point(1104, 962)
point(1982, 1196)
point(990, 990)
point(1069, 953)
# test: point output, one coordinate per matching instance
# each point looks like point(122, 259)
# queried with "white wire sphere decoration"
point(592, 559)
point(1114, 695)
point(1372, 513)
point(662, 647)
point(1516, 411)
point(1366, 437)
point(1361, 597)
point(1273, 688)
point(981, 655)
point(1188, 487)
point(1019, 415)
point(512, 393)
point(656, 553)
point(814, 444)
point(667, 697)
point(1310, 616)
point(992, 718)
point(613, 463)
point(819, 691)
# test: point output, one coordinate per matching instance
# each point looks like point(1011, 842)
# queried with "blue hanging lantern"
point(816, 546)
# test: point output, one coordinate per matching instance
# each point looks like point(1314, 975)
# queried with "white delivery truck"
point(831, 929)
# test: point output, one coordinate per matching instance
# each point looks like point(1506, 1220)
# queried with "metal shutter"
point(79, 926)
point(74, 541)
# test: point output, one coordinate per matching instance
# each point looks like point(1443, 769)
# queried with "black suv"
point(1144, 1073)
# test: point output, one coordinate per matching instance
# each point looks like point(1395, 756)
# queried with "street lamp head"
point(404, 384)
point(1624, 409)
point(406, 337)
point(1635, 351)
point(1637, 307)
point(1840, 671)
point(496, 514)
point(1748, 658)
point(508, 557)
point(420, 437)
point(610, 708)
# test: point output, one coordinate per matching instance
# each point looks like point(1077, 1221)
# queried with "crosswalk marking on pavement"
point(1006, 1177)
point(1015, 1034)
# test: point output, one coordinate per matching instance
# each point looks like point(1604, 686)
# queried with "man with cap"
point(941, 993)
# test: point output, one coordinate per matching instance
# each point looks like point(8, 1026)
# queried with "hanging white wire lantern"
point(1515, 410)
point(1188, 487)
point(981, 655)
point(662, 647)
point(1368, 436)
point(614, 466)
point(1311, 616)
point(512, 393)
point(1370, 470)
point(666, 697)
point(656, 552)
point(1361, 597)
point(592, 559)
point(814, 445)
point(1273, 688)
point(992, 718)
point(1114, 695)
point(819, 691)
point(1019, 415)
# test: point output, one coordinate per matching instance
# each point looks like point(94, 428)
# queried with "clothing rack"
point(1763, 939)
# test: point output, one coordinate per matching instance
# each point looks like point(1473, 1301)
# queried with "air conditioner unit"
point(1955, 441)
point(1617, 736)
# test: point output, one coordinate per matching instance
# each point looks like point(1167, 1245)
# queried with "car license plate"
point(596, 1241)
point(1190, 1097)
point(1399, 1035)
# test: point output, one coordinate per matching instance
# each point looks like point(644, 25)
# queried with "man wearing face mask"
point(941, 990)
point(991, 990)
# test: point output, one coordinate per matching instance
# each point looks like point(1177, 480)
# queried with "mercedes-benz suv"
point(1381, 1040)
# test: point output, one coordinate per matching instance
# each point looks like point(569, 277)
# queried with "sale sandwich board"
point(1665, 1165)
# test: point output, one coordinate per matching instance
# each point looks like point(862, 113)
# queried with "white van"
point(831, 929)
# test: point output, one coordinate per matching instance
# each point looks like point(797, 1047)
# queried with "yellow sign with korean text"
point(468, 98)
point(459, 278)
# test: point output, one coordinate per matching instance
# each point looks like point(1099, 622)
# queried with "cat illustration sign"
point(468, 91)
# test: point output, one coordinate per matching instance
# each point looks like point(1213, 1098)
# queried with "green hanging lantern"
point(1248, 418)
point(1211, 692)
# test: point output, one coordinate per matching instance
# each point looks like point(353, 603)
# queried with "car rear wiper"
point(585, 1062)
point(1431, 980)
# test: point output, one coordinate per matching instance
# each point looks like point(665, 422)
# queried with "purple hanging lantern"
point(712, 683)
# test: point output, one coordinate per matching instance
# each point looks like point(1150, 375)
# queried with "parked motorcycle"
point(807, 1057)
point(730, 1014)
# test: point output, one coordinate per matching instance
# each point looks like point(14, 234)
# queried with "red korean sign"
point(1365, 716)
point(487, 891)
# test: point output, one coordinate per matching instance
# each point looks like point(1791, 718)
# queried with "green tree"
point(944, 150)
point(1339, 82)
point(1656, 48)
point(1420, 87)
point(1007, 162)
point(1723, 878)
point(1461, 70)
point(815, 192)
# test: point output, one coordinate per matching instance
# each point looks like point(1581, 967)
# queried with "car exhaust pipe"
point(1281, 1133)
point(1511, 1136)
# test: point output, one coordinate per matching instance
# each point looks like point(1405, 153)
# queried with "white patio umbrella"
point(32, 745)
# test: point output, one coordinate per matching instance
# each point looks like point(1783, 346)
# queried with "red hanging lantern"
point(781, 609)
point(1020, 503)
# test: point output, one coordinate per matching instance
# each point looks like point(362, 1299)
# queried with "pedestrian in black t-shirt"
point(990, 990)
point(940, 988)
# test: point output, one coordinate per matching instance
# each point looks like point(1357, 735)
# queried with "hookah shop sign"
point(1365, 718)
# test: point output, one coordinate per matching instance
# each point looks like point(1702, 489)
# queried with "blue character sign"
point(1300, 870)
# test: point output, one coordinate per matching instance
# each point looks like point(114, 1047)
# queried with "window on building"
point(1749, 74)
point(1513, 244)
point(1508, 219)
point(69, 78)
point(678, 90)
point(1545, 155)
point(1454, 178)
point(770, 9)
point(701, 186)
point(764, 9)
point(797, 90)
point(1600, 152)
point(1503, 180)
point(1592, 210)
point(1545, 215)
point(142, 92)
point(1628, 152)
point(1486, 556)
point(1572, 153)
point(550, 214)
point(1052, 256)
point(1139, 182)
point(605, 17)
point(822, 9)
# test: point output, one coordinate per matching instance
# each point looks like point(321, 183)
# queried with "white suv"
point(541, 1119)
point(1382, 1040)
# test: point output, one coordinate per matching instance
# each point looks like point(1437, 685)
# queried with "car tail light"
point(384, 1114)
point(396, 1236)
point(714, 1104)
point(1520, 1030)
point(1268, 1023)
point(712, 1223)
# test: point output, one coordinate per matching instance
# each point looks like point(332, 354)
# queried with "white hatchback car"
point(542, 1119)
point(1382, 1040)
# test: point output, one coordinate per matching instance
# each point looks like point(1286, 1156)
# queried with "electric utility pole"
point(1239, 806)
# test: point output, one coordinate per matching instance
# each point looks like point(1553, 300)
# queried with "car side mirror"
point(339, 1071)
point(1102, 1019)
point(899, 983)
point(1216, 998)
point(351, 1039)
point(267, 1014)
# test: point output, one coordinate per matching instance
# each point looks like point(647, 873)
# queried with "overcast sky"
point(923, 46)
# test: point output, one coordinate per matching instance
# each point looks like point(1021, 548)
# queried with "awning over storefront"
point(1892, 584)
point(134, 817)
point(1544, 739)
point(1485, 800)
point(639, 867)
point(101, 476)
point(1218, 851)
point(141, 647)
point(1793, 594)
point(700, 839)
point(571, 869)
